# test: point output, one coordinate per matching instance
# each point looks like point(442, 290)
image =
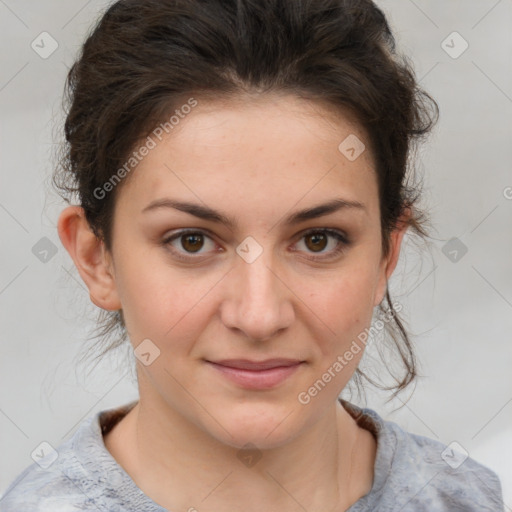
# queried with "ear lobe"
point(90, 257)
point(389, 264)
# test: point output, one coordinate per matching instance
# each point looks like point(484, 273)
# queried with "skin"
point(257, 159)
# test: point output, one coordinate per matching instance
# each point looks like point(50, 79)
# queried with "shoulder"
point(80, 474)
point(48, 484)
point(417, 473)
point(38, 490)
point(430, 475)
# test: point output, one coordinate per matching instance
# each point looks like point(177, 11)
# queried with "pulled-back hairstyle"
point(144, 59)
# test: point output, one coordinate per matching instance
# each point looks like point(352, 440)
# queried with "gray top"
point(412, 473)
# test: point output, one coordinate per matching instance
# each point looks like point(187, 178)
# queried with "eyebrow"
point(206, 213)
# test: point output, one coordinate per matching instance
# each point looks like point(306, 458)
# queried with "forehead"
point(271, 148)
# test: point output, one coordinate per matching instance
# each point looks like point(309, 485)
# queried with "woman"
point(241, 174)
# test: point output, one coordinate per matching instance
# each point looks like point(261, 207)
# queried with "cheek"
point(165, 304)
point(344, 304)
point(160, 303)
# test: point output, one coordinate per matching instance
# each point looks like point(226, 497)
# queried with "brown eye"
point(326, 243)
point(192, 242)
point(316, 241)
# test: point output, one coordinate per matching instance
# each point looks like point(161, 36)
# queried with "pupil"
point(317, 237)
point(196, 242)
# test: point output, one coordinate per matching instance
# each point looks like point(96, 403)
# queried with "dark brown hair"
point(144, 58)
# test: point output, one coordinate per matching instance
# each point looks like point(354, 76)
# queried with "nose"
point(259, 304)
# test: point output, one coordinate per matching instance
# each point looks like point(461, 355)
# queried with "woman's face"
point(260, 287)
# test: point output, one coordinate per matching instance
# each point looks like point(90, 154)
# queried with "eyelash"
point(343, 242)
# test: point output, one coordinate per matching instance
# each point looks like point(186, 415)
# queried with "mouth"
point(256, 374)
point(246, 364)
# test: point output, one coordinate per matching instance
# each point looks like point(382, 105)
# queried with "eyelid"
point(184, 256)
point(339, 235)
point(329, 231)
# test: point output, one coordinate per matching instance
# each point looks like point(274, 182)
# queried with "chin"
point(264, 429)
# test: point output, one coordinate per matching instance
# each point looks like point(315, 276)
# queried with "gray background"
point(459, 312)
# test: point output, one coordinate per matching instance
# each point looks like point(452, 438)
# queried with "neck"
point(181, 467)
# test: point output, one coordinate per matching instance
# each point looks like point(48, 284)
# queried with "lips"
point(245, 364)
point(256, 375)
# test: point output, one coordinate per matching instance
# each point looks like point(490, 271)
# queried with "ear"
point(389, 263)
point(90, 257)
